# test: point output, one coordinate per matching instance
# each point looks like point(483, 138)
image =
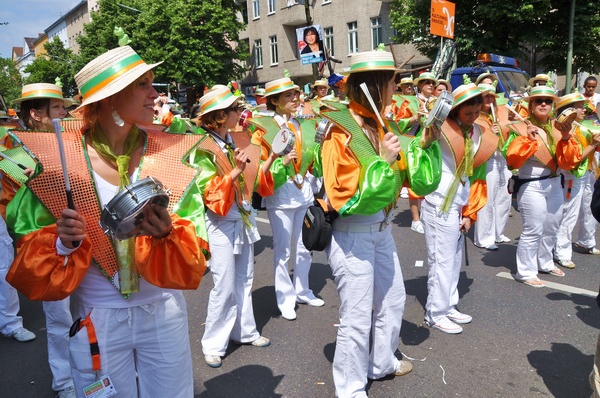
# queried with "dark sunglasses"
point(428, 82)
point(234, 109)
point(540, 101)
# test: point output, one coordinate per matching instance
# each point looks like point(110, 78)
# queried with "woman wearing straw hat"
point(293, 194)
point(493, 217)
point(442, 85)
point(363, 177)
point(449, 211)
point(538, 148)
point(226, 180)
point(137, 328)
point(577, 188)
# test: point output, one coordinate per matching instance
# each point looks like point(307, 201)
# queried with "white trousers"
point(230, 314)
point(444, 256)
point(58, 323)
point(572, 194)
point(9, 298)
point(287, 232)
point(369, 282)
point(586, 234)
point(149, 341)
point(493, 217)
point(540, 205)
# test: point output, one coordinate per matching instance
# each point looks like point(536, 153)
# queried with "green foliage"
point(10, 80)
point(57, 62)
point(507, 27)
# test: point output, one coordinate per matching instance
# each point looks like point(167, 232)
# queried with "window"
point(271, 7)
point(352, 37)
point(376, 32)
point(274, 53)
point(258, 56)
point(328, 40)
point(256, 8)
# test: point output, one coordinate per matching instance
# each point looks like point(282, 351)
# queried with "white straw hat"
point(279, 86)
point(219, 97)
point(376, 60)
point(110, 73)
point(43, 90)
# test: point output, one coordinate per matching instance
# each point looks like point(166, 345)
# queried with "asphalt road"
point(523, 342)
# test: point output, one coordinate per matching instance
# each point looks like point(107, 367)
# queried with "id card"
point(103, 388)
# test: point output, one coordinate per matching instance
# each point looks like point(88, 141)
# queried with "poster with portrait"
point(310, 44)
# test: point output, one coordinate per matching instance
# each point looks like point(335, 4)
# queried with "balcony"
point(293, 13)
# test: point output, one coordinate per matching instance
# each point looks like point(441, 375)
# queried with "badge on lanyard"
point(246, 206)
point(102, 388)
point(299, 179)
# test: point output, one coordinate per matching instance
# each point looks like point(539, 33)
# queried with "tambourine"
point(122, 216)
point(322, 130)
point(567, 116)
point(283, 142)
point(440, 110)
point(244, 116)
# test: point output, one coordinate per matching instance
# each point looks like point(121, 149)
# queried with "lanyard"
point(91, 332)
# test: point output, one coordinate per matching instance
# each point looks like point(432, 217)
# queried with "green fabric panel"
point(424, 167)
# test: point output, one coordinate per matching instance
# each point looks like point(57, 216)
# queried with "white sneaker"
point(214, 361)
point(404, 193)
point(21, 334)
point(458, 317)
point(417, 226)
point(314, 302)
point(68, 392)
point(290, 315)
point(503, 239)
point(445, 325)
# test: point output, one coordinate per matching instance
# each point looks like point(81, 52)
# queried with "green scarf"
point(464, 168)
point(550, 142)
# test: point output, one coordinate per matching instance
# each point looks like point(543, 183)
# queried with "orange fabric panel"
point(219, 194)
point(41, 274)
point(568, 154)
point(173, 262)
point(477, 199)
point(340, 169)
point(519, 150)
point(265, 185)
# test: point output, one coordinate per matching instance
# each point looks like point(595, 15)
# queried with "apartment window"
point(274, 53)
point(352, 37)
point(256, 8)
point(271, 6)
point(376, 32)
point(328, 39)
point(258, 56)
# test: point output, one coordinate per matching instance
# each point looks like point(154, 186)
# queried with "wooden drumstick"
point(63, 162)
point(365, 90)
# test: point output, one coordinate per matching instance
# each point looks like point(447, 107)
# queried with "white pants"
point(149, 341)
point(9, 298)
point(287, 231)
point(586, 234)
point(230, 314)
point(493, 217)
point(369, 282)
point(444, 256)
point(572, 194)
point(58, 323)
point(540, 205)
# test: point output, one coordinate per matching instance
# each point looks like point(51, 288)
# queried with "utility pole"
point(309, 21)
point(570, 49)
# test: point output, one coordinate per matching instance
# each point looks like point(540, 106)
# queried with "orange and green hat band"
point(373, 65)
point(44, 93)
point(539, 91)
point(285, 86)
point(471, 92)
point(218, 100)
point(109, 75)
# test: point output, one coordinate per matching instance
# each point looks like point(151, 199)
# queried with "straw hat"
point(406, 80)
point(569, 99)
point(426, 76)
point(43, 90)
point(260, 92)
point(464, 93)
point(488, 75)
point(445, 83)
point(320, 83)
point(541, 91)
point(487, 89)
point(219, 97)
point(279, 86)
point(110, 73)
point(539, 77)
point(376, 60)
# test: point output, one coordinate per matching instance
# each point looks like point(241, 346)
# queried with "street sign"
point(442, 19)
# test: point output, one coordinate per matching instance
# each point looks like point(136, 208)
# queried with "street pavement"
point(523, 341)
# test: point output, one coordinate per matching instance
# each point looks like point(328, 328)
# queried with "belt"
point(360, 228)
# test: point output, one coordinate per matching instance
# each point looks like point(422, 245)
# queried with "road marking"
point(261, 220)
point(556, 286)
point(418, 263)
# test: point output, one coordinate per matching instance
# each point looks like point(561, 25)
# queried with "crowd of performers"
point(453, 156)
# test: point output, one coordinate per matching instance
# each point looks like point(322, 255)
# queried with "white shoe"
point(404, 193)
point(214, 361)
point(445, 325)
point(503, 239)
point(68, 392)
point(458, 317)
point(314, 302)
point(21, 334)
point(417, 226)
point(290, 315)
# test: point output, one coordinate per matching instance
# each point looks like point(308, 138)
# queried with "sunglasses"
point(428, 82)
point(540, 101)
point(234, 109)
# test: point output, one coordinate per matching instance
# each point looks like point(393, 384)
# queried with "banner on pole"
point(442, 18)
point(310, 45)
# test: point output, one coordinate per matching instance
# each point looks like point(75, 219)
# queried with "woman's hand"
point(157, 221)
point(241, 159)
point(595, 140)
point(532, 131)
point(465, 225)
point(565, 129)
point(293, 155)
point(390, 148)
point(495, 128)
point(70, 227)
point(429, 135)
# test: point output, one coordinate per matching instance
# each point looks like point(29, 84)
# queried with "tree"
point(58, 62)
point(10, 80)
point(508, 27)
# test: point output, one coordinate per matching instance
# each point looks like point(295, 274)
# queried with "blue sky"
point(27, 18)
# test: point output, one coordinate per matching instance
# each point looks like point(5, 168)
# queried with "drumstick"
point(365, 90)
point(519, 116)
point(5, 156)
point(493, 113)
point(63, 162)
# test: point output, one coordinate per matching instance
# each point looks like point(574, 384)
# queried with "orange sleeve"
point(265, 185)
point(477, 199)
point(519, 150)
point(568, 154)
point(173, 262)
point(219, 194)
point(341, 170)
point(9, 189)
point(403, 112)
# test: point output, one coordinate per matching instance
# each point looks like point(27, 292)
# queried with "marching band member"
point(538, 149)
point(229, 167)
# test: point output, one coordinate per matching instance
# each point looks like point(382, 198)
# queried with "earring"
point(117, 119)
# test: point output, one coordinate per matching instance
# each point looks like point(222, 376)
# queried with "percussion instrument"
point(567, 116)
point(440, 110)
point(245, 115)
point(122, 216)
point(283, 142)
point(322, 130)
point(389, 115)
